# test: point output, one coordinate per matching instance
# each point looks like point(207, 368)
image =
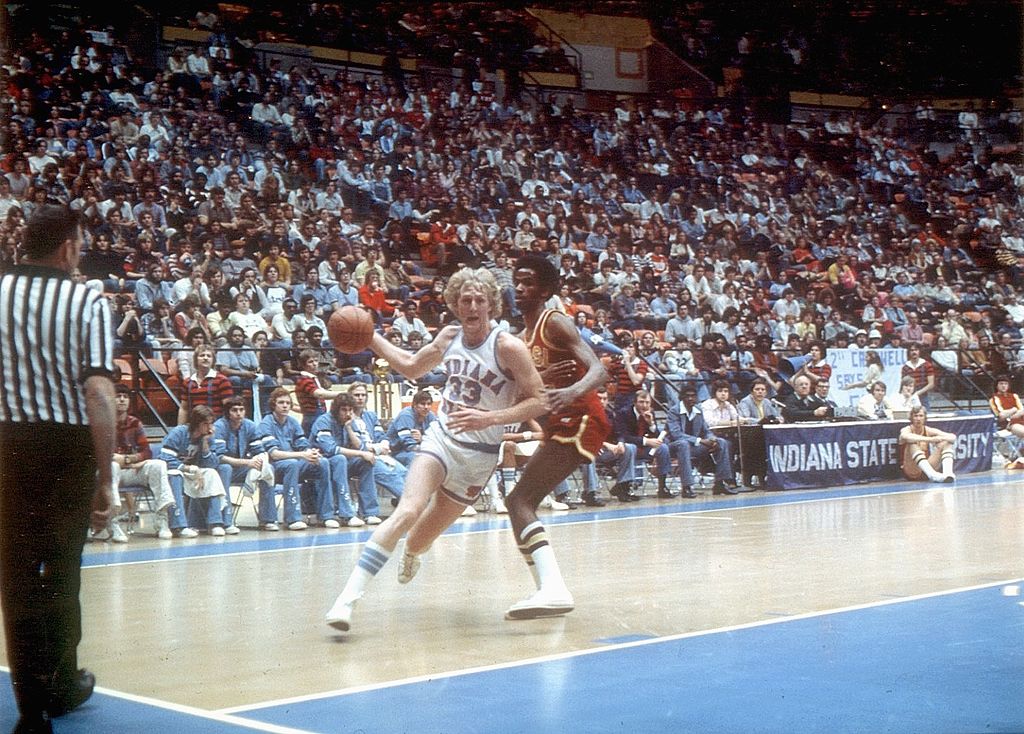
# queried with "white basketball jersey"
point(476, 381)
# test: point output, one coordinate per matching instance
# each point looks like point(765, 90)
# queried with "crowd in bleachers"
point(237, 205)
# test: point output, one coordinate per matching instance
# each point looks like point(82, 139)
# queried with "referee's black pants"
point(47, 481)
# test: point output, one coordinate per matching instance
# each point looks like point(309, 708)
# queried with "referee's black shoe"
point(72, 694)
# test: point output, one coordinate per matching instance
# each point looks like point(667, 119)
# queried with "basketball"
point(350, 329)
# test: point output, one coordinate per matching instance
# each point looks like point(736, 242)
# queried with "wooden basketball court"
point(675, 601)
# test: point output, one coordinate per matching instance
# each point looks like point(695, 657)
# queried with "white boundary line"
point(608, 648)
point(641, 516)
point(219, 716)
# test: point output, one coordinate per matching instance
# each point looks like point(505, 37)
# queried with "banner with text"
point(802, 455)
point(849, 366)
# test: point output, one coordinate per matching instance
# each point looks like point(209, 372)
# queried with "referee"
point(56, 438)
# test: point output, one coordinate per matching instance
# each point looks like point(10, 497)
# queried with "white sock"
point(371, 560)
point(549, 576)
point(947, 463)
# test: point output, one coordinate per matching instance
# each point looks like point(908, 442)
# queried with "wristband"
point(527, 435)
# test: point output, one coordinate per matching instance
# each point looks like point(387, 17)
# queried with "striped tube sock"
point(922, 462)
point(371, 560)
point(534, 541)
point(947, 463)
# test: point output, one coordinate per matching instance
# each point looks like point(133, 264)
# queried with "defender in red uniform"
point(574, 430)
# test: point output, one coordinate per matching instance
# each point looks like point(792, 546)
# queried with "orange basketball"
point(350, 329)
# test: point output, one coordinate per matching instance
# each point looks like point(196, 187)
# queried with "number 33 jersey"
point(476, 380)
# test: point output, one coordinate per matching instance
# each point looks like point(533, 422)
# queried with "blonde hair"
point(480, 278)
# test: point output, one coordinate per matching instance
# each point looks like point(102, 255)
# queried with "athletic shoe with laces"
point(557, 505)
point(355, 522)
point(232, 530)
point(339, 616)
point(331, 523)
point(498, 506)
point(297, 525)
point(408, 565)
point(373, 520)
point(543, 603)
point(99, 535)
point(270, 527)
point(117, 534)
point(217, 531)
point(185, 533)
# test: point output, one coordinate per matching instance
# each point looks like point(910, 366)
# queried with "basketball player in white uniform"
point(491, 382)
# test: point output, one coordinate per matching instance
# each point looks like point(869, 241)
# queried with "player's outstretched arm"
point(414, 365)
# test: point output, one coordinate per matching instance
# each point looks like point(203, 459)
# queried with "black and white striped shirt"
point(54, 333)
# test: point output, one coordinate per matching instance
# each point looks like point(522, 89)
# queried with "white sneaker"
point(373, 520)
point(339, 616)
point(498, 506)
point(117, 534)
point(185, 533)
point(99, 535)
point(556, 505)
point(297, 525)
point(232, 530)
point(470, 511)
point(408, 565)
point(217, 531)
point(331, 523)
point(355, 522)
point(271, 527)
point(162, 530)
point(543, 603)
point(545, 504)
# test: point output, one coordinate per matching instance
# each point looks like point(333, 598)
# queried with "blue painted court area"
point(950, 663)
point(946, 663)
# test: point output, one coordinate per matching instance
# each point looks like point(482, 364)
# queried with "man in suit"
point(691, 440)
point(637, 425)
point(802, 406)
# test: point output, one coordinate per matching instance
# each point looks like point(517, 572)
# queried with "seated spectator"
point(906, 399)
point(134, 465)
point(373, 298)
point(406, 430)
point(802, 406)
point(334, 434)
point(719, 411)
point(926, 452)
point(236, 444)
point(241, 365)
point(244, 317)
point(756, 409)
point(874, 405)
point(192, 473)
point(690, 440)
point(1008, 409)
point(638, 425)
point(205, 386)
point(311, 389)
point(294, 460)
point(388, 473)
